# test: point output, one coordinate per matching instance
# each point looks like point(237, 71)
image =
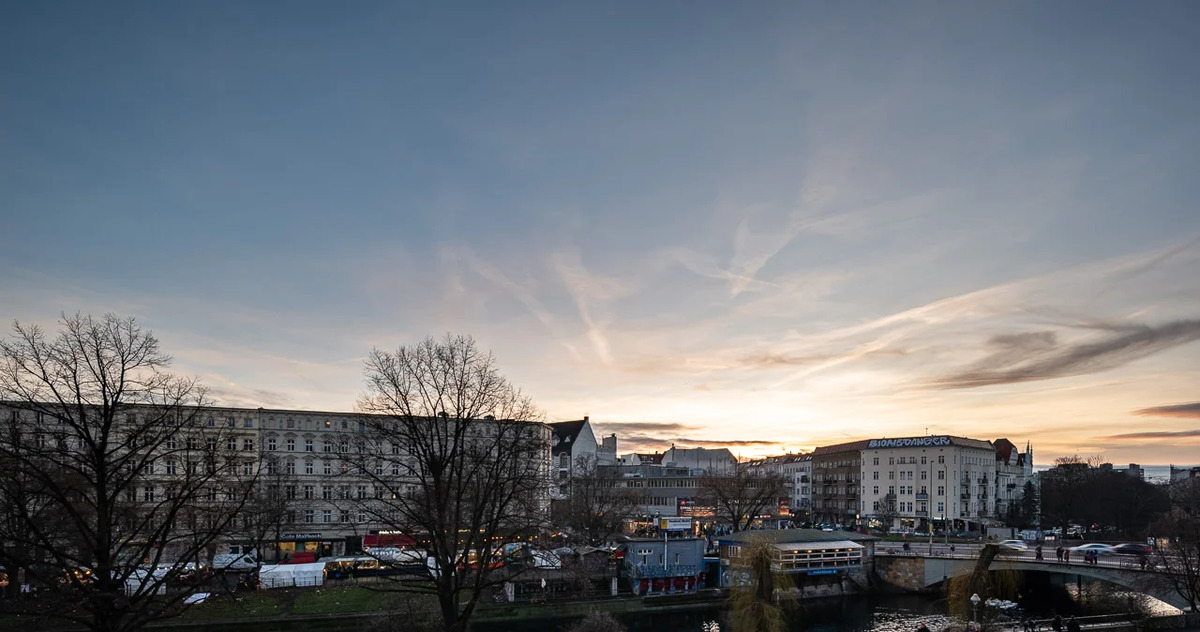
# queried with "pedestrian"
point(1072, 625)
point(922, 627)
point(1058, 553)
point(1056, 623)
point(1066, 556)
point(1037, 553)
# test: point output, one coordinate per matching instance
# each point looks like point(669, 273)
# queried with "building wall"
point(938, 481)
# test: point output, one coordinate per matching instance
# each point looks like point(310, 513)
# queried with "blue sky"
point(768, 226)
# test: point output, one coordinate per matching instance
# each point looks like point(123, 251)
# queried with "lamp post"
point(975, 605)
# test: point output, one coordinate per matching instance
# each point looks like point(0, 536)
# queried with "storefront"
point(309, 545)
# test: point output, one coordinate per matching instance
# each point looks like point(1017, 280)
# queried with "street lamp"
point(975, 605)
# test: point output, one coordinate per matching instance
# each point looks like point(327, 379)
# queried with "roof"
point(777, 536)
point(1004, 448)
point(825, 544)
point(853, 446)
point(565, 434)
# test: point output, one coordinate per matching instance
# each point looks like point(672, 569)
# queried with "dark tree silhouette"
point(456, 460)
point(113, 478)
point(739, 494)
point(599, 502)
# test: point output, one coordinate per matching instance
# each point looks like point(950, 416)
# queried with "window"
point(291, 423)
point(875, 461)
point(343, 515)
point(875, 475)
point(170, 467)
point(564, 460)
point(362, 515)
point(308, 467)
point(941, 475)
point(308, 445)
point(170, 443)
point(271, 444)
point(326, 492)
point(891, 490)
point(148, 468)
point(247, 423)
point(327, 515)
point(289, 492)
point(231, 422)
point(148, 494)
point(248, 468)
point(291, 445)
point(270, 466)
point(308, 492)
point(891, 460)
point(308, 515)
point(290, 516)
point(941, 490)
point(247, 445)
point(343, 446)
point(941, 459)
point(211, 444)
point(922, 460)
point(326, 467)
point(362, 491)
point(892, 475)
point(875, 490)
point(326, 446)
point(941, 507)
point(923, 474)
point(326, 423)
point(212, 423)
point(291, 467)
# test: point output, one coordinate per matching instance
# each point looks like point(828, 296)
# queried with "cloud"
point(1038, 355)
point(251, 398)
point(1178, 410)
point(644, 426)
point(707, 443)
point(1155, 435)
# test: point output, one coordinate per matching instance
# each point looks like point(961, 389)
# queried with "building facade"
point(837, 478)
point(912, 482)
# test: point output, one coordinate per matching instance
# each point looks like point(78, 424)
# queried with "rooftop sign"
point(915, 442)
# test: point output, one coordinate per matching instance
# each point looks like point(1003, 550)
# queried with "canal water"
point(880, 613)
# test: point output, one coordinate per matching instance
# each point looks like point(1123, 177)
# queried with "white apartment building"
point(908, 482)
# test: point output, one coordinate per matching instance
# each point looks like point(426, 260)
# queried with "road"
point(919, 548)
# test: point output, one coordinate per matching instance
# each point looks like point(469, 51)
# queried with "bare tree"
point(1178, 558)
point(112, 477)
point(267, 511)
point(599, 502)
point(454, 461)
point(739, 494)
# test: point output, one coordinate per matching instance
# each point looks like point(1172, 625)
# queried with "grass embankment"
point(299, 601)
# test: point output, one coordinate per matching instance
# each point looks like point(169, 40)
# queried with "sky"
point(762, 226)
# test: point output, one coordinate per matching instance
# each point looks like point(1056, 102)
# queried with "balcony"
point(965, 496)
point(922, 496)
point(922, 513)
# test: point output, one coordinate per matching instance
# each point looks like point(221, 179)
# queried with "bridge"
point(925, 566)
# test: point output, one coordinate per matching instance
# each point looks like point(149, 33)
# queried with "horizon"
point(763, 227)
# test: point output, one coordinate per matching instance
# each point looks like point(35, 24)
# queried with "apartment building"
point(911, 481)
point(1014, 468)
point(837, 477)
point(796, 470)
point(320, 467)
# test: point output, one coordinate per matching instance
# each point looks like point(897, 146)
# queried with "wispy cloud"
point(1038, 356)
point(643, 426)
point(1191, 410)
point(1156, 435)
point(588, 289)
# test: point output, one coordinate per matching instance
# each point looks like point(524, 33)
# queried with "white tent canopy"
point(288, 575)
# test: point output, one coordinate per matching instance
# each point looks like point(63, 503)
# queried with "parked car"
point(1014, 545)
point(1099, 549)
point(1132, 548)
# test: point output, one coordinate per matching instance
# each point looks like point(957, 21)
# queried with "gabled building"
point(569, 441)
point(1014, 468)
point(711, 461)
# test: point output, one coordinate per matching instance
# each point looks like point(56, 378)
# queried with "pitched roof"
point(565, 434)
